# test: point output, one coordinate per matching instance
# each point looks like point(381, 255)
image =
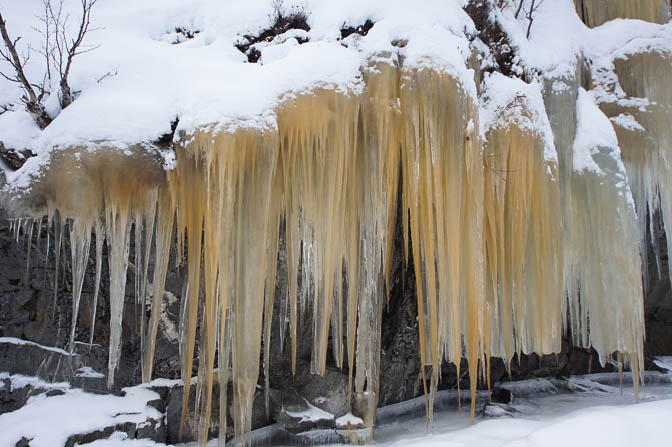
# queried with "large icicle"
point(605, 292)
point(442, 193)
point(523, 233)
point(80, 241)
point(645, 135)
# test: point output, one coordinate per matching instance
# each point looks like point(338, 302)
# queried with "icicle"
point(46, 252)
point(30, 223)
point(442, 173)
point(605, 295)
point(38, 223)
point(647, 145)
point(164, 240)
point(58, 229)
point(224, 370)
point(270, 283)
point(118, 233)
point(144, 234)
point(100, 238)
point(319, 193)
point(80, 241)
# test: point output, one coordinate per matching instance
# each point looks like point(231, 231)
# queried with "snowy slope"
point(138, 81)
point(207, 80)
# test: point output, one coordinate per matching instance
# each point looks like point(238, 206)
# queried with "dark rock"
point(12, 158)
point(500, 395)
point(23, 442)
point(85, 438)
point(362, 30)
point(282, 20)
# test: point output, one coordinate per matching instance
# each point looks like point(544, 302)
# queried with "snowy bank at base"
point(49, 420)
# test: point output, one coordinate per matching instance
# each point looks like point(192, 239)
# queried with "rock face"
point(658, 299)
point(34, 331)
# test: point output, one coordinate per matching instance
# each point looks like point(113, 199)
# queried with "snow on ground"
point(597, 413)
point(577, 419)
point(48, 421)
point(119, 439)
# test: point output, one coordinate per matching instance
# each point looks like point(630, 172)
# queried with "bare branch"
point(13, 58)
point(65, 49)
point(33, 105)
point(536, 4)
point(109, 74)
point(10, 79)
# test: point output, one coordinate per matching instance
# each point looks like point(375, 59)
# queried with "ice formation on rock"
point(596, 12)
point(516, 208)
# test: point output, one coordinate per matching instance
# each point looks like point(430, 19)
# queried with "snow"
point(311, 414)
point(627, 122)
point(49, 420)
point(18, 341)
point(558, 38)
point(348, 419)
point(127, 97)
point(664, 362)
point(595, 413)
point(138, 81)
point(506, 101)
point(596, 138)
point(594, 131)
point(599, 415)
point(582, 419)
point(19, 381)
point(88, 372)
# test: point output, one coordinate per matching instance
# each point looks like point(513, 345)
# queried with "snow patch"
point(349, 419)
point(18, 341)
point(664, 362)
point(49, 420)
point(311, 414)
point(88, 372)
point(507, 101)
point(19, 381)
point(594, 130)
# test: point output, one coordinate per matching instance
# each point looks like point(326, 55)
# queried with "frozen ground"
point(604, 417)
point(598, 415)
